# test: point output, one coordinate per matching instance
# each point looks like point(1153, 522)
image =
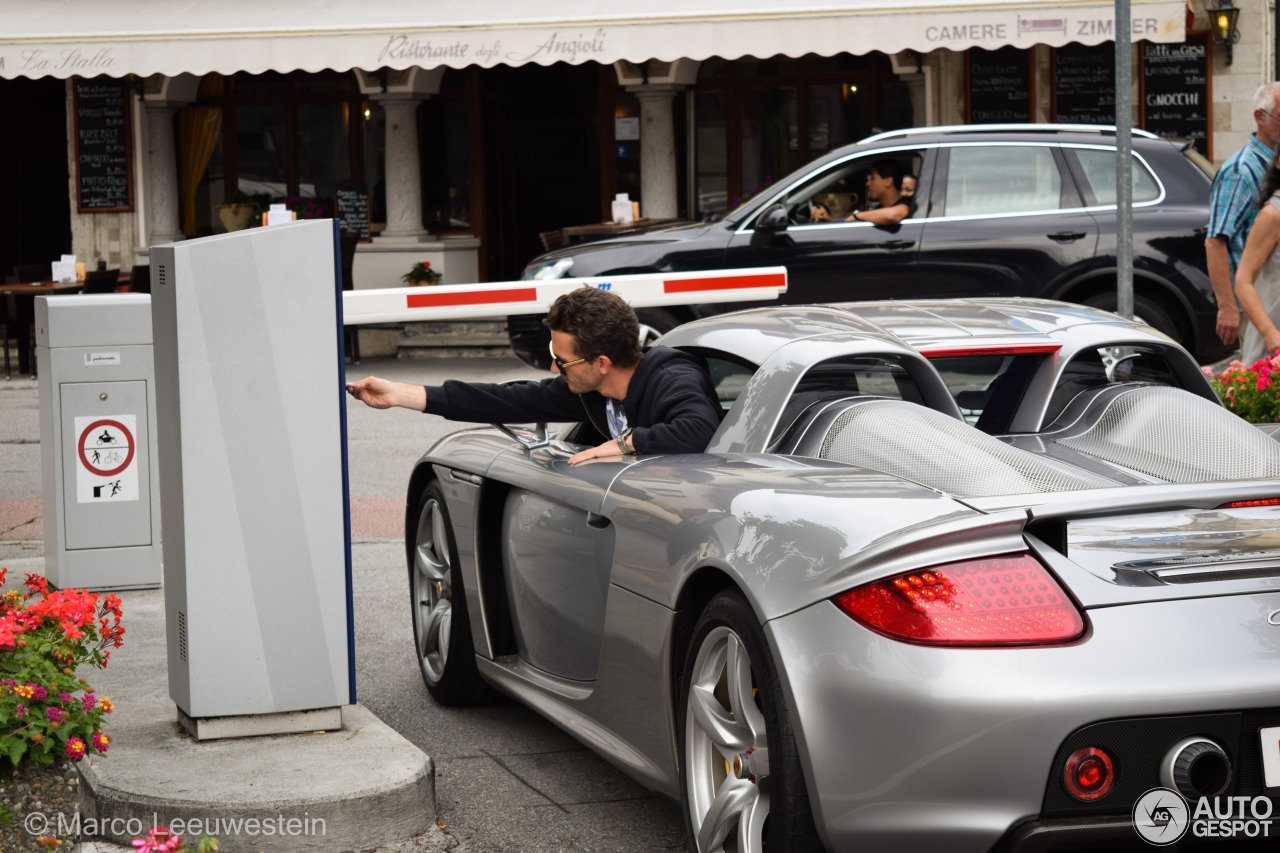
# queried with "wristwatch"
point(621, 438)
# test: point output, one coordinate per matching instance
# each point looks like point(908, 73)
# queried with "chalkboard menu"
point(103, 146)
point(999, 85)
point(353, 211)
point(1084, 84)
point(1175, 90)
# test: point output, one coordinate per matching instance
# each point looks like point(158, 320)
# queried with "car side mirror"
point(771, 223)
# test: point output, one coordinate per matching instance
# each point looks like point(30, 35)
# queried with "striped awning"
point(64, 38)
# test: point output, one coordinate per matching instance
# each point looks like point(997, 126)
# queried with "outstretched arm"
point(385, 394)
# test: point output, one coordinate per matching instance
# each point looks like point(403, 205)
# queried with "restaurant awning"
point(62, 38)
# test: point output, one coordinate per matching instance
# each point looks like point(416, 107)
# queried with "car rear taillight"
point(1089, 774)
point(1249, 503)
point(1009, 600)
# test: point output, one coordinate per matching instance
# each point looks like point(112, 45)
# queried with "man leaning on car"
point(659, 400)
point(1233, 206)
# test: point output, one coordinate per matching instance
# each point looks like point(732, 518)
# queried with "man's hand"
point(384, 394)
point(609, 448)
point(1228, 323)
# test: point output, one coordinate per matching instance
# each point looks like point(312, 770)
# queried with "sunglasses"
point(561, 363)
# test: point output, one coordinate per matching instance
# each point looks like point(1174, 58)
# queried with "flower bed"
point(48, 713)
point(1250, 391)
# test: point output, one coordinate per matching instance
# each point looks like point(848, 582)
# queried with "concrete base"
point(359, 788)
point(256, 725)
point(381, 263)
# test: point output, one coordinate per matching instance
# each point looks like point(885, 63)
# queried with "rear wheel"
point(441, 629)
point(1145, 310)
point(742, 785)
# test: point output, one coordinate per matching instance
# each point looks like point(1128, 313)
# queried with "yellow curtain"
point(198, 129)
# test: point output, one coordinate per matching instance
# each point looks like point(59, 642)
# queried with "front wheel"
point(742, 786)
point(654, 323)
point(441, 630)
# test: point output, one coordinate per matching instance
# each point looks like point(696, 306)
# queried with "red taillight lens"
point(1009, 600)
point(1089, 774)
point(1258, 502)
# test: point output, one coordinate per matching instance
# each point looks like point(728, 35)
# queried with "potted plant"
point(421, 273)
point(237, 211)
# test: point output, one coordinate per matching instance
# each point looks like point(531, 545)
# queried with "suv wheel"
point(1145, 310)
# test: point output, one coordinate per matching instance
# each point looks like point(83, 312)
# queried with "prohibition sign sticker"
point(106, 448)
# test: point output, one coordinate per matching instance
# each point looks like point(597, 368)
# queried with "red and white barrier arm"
point(498, 299)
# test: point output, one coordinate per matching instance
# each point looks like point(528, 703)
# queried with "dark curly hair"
point(601, 322)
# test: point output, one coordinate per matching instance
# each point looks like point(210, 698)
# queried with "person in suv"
point(1001, 210)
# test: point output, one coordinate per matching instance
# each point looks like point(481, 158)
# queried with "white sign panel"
point(106, 456)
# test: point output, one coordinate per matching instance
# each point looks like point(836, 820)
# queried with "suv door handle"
point(897, 245)
point(1066, 236)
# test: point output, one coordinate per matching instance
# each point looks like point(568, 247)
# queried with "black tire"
point(1145, 310)
point(654, 323)
point(441, 629)
point(731, 800)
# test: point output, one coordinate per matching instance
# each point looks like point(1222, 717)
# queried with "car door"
point(557, 557)
point(1007, 220)
point(838, 260)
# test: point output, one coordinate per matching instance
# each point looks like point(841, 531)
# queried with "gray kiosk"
point(251, 417)
point(98, 448)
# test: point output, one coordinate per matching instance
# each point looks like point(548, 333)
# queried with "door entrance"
point(542, 168)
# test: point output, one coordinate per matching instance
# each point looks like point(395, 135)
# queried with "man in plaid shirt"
point(1233, 205)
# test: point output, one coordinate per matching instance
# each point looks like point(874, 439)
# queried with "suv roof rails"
point(1044, 127)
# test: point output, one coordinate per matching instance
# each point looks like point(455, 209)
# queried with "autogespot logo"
point(1161, 816)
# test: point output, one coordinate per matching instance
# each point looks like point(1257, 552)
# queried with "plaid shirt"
point(1233, 200)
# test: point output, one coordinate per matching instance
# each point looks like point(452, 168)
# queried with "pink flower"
point(75, 748)
point(1263, 381)
point(89, 701)
point(158, 841)
point(101, 742)
point(54, 715)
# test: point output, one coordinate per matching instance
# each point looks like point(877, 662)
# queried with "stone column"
point(162, 175)
point(658, 195)
point(404, 171)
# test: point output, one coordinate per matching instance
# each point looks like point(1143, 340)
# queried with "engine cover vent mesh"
point(928, 447)
point(1175, 436)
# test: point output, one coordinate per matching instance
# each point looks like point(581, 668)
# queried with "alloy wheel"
point(432, 591)
point(726, 748)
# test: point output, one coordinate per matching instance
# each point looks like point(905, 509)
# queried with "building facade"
point(466, 150)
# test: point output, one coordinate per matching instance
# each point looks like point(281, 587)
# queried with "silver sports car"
point(952, 576)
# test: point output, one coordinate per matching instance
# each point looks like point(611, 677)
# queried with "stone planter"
point(236, 217)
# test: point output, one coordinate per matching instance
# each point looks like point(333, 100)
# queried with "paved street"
point(505, 778)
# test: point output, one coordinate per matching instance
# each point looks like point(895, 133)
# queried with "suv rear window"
point(1099, 169)
point(991, 179)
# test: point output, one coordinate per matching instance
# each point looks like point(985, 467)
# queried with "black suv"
point(1001, 210)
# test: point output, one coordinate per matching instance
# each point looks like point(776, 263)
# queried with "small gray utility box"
point(97, 446)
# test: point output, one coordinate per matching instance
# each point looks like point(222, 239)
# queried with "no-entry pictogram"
point(106, 449)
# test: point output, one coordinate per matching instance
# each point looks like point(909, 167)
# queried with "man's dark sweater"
point(671, 405)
